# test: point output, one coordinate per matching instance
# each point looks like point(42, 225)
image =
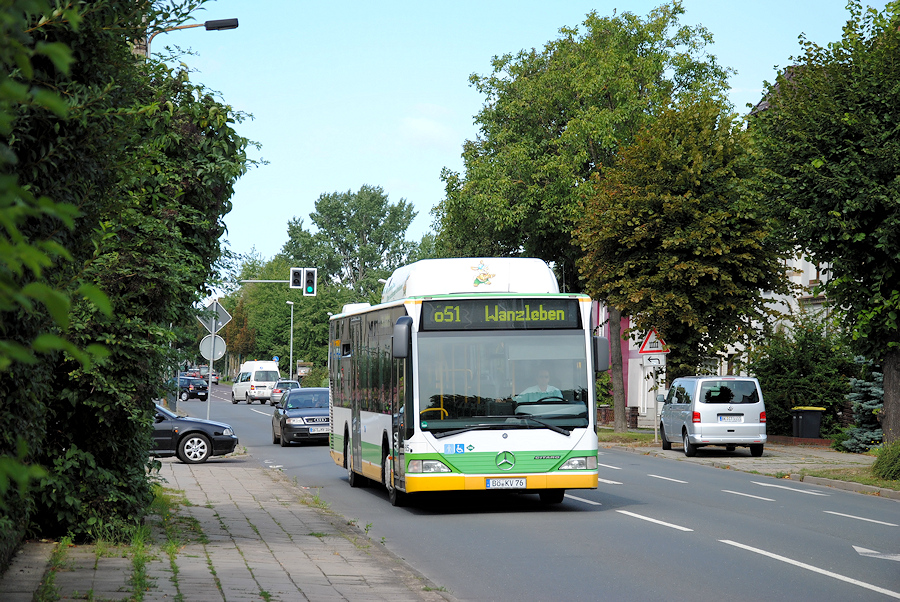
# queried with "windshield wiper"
point(466, 429)
point(552, 427)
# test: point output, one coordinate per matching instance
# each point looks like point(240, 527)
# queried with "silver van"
point(713, 410)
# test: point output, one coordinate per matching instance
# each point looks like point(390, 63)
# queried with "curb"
point(848, 486)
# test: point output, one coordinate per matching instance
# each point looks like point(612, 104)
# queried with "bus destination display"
point(500, 314)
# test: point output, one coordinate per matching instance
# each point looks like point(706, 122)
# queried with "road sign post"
point(216, 344)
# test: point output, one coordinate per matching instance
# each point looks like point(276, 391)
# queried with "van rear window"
point(730, 391)
point(265, 375)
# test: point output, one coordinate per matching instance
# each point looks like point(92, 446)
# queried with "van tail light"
point(762, 417)
point(696, 417)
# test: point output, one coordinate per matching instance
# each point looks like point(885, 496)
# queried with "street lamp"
point(215, 25)
point(291, 364)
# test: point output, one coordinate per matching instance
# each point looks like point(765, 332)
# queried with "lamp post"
point(215, 25)
point(291, 364)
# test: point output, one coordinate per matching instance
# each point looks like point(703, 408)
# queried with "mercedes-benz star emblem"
point(505, 460)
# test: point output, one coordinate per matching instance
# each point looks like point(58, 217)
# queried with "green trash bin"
point(807, 421)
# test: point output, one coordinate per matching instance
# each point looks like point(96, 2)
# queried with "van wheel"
point(233, 400)
point(666, 444)
point(690, 450)
point(756, 450)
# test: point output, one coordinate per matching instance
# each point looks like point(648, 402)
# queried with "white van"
point(254, 382)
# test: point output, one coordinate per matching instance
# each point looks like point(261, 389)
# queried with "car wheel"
point(284, 441)
point(194, 448)
point(552, 496)
point(184, 396)
point(666, 444)
point(690, 450)
point(247, 399)
point(275, 438)
point(756, 450)
point(233, 400)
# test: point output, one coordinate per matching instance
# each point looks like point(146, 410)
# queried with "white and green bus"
point(471, 375)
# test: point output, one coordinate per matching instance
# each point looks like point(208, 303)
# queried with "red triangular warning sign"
point(653, 344)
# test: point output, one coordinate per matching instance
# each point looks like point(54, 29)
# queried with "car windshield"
point(265, 375)
point(729, 391)
point(502, 380)
point(303, 400)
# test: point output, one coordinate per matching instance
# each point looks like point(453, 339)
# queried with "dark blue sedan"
point(301, 416)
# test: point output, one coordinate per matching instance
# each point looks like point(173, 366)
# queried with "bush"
point(887, 466)
point(867, 397)
point(806, 364)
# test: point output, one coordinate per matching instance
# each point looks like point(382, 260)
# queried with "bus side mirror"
point(402, 337)
point(601, 354)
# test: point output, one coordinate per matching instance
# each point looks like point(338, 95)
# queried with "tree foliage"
point(140, 162)
point(361, 237)
point(670, 239)
point(867, 398)
point(552, 117)
point(830, 160)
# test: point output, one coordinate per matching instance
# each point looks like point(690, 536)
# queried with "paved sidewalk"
point(266, 540)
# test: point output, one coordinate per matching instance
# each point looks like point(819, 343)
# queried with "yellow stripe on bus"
point(458, 482)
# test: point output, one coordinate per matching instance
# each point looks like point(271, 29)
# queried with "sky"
point(349, 93)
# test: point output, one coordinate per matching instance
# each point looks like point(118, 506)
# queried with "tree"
point(551, 118)
point(143, 163)
point(361, 237)
point(669, 239)
point(829, 164)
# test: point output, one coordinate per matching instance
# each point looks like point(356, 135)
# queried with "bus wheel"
point(552, 496)
point(354, 479)
point(395, 496)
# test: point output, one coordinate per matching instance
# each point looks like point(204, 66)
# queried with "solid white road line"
point(656, 476)
point(756, 497)
point(608, 466)
point(653, 520)
point(581, 499)
point(868, 520)
point(609, 482)
point(815, 569)
point(790, 489)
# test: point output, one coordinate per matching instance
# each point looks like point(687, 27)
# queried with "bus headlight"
point(588, 463)
point(423, 466)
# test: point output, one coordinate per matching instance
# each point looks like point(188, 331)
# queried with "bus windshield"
point(502, 379)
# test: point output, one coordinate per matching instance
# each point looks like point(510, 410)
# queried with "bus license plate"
point(505, 483)
point(318, 429)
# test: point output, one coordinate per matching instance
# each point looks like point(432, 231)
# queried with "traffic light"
point(296, 278)
point(309, 282)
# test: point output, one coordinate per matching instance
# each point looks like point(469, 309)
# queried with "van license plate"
point(730, 418)
point(505, 484)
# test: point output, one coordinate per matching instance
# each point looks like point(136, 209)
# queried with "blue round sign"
point(275, 359)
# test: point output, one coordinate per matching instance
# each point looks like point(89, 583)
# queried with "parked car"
point(301, 416)
point(280, 388)
point(714, 410)
point(193, 440)
point(189, 388)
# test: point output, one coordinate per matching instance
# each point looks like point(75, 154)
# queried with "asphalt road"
point(655, 529)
